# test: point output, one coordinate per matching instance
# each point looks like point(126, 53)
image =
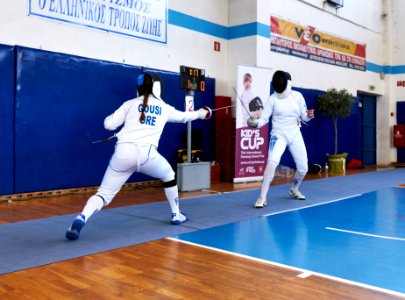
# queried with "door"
point(368, 128)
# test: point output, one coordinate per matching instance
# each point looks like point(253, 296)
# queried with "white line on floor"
point(313, 205)
point(367, 234)
point(304, 275)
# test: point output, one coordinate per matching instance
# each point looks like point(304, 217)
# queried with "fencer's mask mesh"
point(255, 104)
point(280, 81)
point(144, 84)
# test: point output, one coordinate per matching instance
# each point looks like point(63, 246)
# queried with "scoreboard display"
point(192, 79)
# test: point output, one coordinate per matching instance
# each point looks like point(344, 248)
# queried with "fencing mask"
point(280, 81)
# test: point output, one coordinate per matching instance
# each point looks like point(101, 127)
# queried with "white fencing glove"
point(204, 113)
point(252, 122)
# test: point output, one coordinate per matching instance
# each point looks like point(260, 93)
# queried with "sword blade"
point(243, 104)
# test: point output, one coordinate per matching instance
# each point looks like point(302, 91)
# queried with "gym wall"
point(54, 107)
point(7, 119)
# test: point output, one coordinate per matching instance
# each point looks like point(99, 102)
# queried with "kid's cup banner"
point(251, 145)
point(145, 19)
point(309, 43)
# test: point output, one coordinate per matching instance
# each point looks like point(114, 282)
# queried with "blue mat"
point(39, 242)
point(364, 246)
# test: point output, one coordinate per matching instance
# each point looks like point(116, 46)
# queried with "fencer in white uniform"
point(287, 109)
point(144, 119)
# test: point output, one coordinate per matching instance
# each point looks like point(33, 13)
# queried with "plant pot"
point(337, 162)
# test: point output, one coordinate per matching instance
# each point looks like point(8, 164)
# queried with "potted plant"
point(336, 104)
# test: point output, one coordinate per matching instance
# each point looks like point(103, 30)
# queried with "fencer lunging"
point(144, 119)
point(287, 109)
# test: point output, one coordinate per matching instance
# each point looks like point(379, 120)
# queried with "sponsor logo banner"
point(309, 43)
point(251, 147)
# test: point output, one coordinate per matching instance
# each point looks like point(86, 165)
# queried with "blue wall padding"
point(62, 101)
point(6, 119)
point(401, 112)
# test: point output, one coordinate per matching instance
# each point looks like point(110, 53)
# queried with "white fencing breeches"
point(296, 146)
point(127, 159)
point(277, 146)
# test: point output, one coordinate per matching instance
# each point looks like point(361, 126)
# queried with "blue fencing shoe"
point(178, 218)
point(73, 232)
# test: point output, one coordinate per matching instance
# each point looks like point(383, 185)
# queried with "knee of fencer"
point(270, 169)
point(302, 168)
point(170, 177)
point(273, 163)
point(106, 198)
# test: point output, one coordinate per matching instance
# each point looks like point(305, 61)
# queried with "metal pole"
point(189, 142)
point(190, 95)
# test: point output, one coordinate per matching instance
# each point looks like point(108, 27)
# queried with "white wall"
point(195, 49)
point(242, 51)
point(215, 11)
point(394, 56)
point(397, 46)
point(184, 47)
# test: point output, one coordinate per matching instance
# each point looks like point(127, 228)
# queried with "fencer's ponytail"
point(144, 104)
point(145, 85)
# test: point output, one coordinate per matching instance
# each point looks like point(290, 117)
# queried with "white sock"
point(172, 195)
point(267, 179)
point(298, 178)
point(93, 205)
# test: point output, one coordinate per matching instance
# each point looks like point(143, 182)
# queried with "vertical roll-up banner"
point(253, 91)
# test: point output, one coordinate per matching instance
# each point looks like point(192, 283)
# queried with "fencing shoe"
point(73, 232)
point(260, 202)
point(296, 194)
point(178, 218)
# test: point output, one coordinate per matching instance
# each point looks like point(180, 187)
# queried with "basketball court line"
point(313, 205)
point(366, 234)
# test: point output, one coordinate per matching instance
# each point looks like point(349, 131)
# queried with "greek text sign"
point(145, 19)
point(309, 43)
